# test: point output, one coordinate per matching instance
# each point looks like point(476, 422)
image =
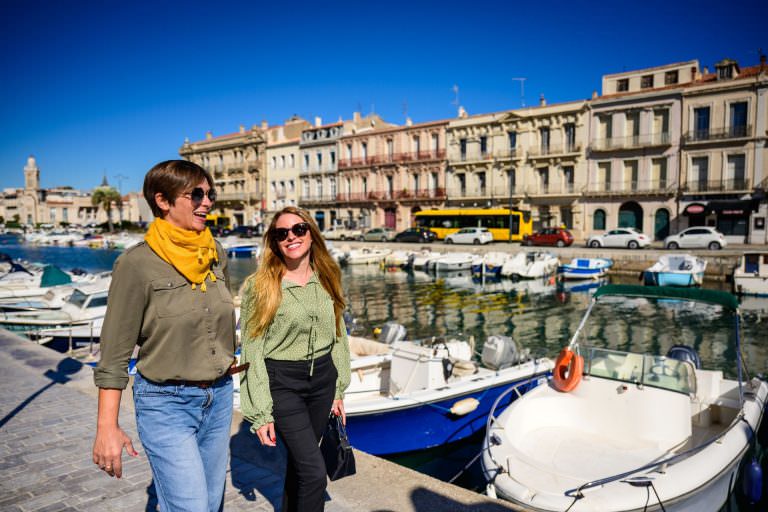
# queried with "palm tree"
point(104, 197)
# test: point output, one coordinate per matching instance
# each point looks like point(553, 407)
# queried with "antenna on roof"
point(455, 90)
point(405, 108)
point(522, 90)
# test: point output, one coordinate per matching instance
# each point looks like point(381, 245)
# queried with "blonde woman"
point(295, 340)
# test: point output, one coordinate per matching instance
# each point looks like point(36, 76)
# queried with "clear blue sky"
point(95, 87)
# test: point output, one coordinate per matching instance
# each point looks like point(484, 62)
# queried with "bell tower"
point(31, 174)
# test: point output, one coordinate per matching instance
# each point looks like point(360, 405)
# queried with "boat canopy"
point(718, 297)
point(54, 276)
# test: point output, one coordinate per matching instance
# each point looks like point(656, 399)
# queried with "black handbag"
point(337, 452)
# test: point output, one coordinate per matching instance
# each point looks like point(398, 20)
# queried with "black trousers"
point(301, 405)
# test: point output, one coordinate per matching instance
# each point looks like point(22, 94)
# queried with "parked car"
point(696, 237)
point(558, 237)
point(416, 235)
point(342, 233)
point(378, 235)
point(241, 231)
point(631, 238)
point(474, 236)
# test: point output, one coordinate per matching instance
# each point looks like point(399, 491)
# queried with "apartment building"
point(634, 148)
point(396, 171)
point(237, 163)
point(318, 152)
point(282, 170)
point(530, 159)
point(723, 154)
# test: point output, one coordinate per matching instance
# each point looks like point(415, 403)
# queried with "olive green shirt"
point(303, 329)
point(182, 334)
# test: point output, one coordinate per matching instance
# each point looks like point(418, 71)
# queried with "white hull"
point(750, 277)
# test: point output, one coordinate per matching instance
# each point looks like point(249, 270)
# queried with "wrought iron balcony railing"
point(708, 135)
point(553, 150)
point(631, 142)
point(732, 185)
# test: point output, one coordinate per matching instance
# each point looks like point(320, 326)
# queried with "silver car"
point(696, 237)
point(378, 235)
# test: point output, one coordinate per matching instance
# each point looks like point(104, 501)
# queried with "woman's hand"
point(266, 434)
point(338, 410)
point(108, 449)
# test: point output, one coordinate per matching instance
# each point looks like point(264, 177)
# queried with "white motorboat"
point(453, 262)
point(366, 256)
point(530, 265)
point(423, 259)
point(585, 268)
point(489, 264)
point(624, 431)
point(676, 270)
point(397, 258)
point(429, 394)
point(85, 304)
point(750, 277)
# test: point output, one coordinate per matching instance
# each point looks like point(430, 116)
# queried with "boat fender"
point(752, 483)
point(464, 406)
point(568, 370)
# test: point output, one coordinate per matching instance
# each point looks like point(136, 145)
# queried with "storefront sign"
point(694, 209)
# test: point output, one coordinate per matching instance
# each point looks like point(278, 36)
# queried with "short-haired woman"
point(169, 295)
point(295, 340)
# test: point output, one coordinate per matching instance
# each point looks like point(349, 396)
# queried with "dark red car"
point(557, 237)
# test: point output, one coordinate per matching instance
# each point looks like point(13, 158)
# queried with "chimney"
point(594, 94)
point(706, 70)
point(318, 121)
point(208, 135)
point(408, 121)
point(242, 128)
point(542, 101)
point(356, 117)
point(462, 113)
point(264, 124)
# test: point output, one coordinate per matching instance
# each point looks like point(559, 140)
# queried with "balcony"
point(317, 199)
point(552, 189)
point(709, 135)
point(236, 196)
point(629, 188)
point(737, 185)
point(553, 150)
point(394, 195)
point(631, 142)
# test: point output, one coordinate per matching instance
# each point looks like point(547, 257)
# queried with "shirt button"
point(206, 310)
point(213, 352)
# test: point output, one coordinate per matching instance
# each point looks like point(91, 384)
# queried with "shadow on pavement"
point(256, 469)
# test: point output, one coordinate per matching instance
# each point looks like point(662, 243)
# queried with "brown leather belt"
point(208, 383)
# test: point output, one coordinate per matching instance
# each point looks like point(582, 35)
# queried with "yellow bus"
point(218, 223)
point(498, 222)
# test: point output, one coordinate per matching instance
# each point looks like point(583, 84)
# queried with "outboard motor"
point(391, 332)
point(500, 352)
point(685, 353)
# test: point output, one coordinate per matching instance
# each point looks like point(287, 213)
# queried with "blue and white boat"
point(585, 268)
point(489, 264)
point(676, 270)
point(406, 396)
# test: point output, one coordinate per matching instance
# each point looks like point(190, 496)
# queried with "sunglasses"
point(197, 194)
point(298, 229)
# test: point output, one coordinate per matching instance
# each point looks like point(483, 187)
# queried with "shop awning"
point(737, 207)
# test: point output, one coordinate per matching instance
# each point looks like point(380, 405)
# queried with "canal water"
point(538, 315)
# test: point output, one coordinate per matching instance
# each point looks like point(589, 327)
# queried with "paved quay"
point(47, 423)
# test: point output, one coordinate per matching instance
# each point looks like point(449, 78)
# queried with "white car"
point(631, 238)
point(696, 237)
point(474, 236)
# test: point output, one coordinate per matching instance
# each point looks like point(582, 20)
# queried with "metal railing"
point(393, 195)
point(730, 132)
point(718, 186)
point(552, 189)
point(392, 158)
point(553, 150)
point(631, 141)
point(631, 187)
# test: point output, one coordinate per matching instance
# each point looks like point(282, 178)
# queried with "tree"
point(103, 197)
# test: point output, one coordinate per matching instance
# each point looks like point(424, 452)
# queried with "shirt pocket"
point(172, 296)
point(221, 286)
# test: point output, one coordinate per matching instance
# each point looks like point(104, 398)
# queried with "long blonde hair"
point(267, 280)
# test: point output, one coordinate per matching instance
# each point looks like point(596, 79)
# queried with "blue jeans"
point(185, 433)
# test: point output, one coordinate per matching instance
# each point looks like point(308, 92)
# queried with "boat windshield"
point(649, 370)
point(77, 298)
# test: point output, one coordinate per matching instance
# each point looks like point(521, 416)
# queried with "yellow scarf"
point(189, 252)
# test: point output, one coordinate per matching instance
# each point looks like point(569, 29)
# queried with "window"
point(512, 137)
point(568, 177)
point(390, 148)
point(292, 161)
point(319, 161)
point(65, 214)
point(306, 161)
point(463, 148)
point(511, 181)
point(282, 161)
point(415, 183)
point(544, 134)
point(646, 82)
point(481, 183)
point(724, 72)
point(738, 119)
point(659, 173)
point(461, 179)
point(365, 187)
point(670, 77)
point(416, 144)
point(273, 162)
point(570, 137)
point(598, 221)
point(483, 145)
point(701, 123)
point(435, 142)
point(333, 158)
point(699, 173)
point(433, 181)
point(630, 175)
point(364, 151)
point(544, 179)
point(735, 171)
point(622, 85)
point(603, 179)
point(349, 151)
point(332, 182)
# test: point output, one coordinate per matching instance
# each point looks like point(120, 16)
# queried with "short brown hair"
point(171, 178)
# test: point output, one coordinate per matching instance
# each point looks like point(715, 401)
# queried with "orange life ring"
point(568, 370)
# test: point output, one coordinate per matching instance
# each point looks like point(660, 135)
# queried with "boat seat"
point(360, 347)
